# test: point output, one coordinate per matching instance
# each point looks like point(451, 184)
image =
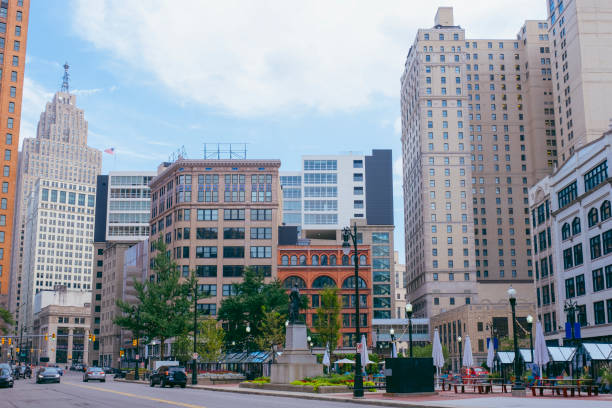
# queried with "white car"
point(94, 373)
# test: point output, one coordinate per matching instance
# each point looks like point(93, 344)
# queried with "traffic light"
point(134, 342)
point(10, 341)
point(17, 349)
point(90, 337)
point(93, 338)
point(121, 352)
point(53, 336)
point(46, 337)
point(2, 341)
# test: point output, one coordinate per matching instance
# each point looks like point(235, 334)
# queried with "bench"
point(483, 388)
point(558, 389)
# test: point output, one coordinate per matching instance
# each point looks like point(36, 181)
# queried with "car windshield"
point(177, 369)
point(95, 369)
point(50, 370)
point(4, 371)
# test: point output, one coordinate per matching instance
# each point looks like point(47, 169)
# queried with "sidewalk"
point(444, 399)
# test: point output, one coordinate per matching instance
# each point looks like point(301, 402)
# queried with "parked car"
point(59, 369)
point(171, 376)
point(108, 370)
point(94, 373)
point(47, 374)
point(474, 372)
point(6, 377)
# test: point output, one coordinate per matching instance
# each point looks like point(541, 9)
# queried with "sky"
point(287, 78)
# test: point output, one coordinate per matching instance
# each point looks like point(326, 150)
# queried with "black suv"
point(171, 376)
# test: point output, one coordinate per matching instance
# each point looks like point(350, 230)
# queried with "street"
point(73, 392)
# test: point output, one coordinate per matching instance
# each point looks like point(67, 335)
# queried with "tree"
point(426, 351)
point(162, 309)
point(272, 331)
point(6, 320)
point(209, 342)
point(245, 308)
point(327, 326)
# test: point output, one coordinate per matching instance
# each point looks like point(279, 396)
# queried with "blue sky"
point(288, 78)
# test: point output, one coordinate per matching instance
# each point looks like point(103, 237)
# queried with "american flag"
point(110, 150)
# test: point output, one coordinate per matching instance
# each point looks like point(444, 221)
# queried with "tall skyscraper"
point(581, 51)
point(14, 17)
point(476, 126)
point(59, 154)
point(331, 192)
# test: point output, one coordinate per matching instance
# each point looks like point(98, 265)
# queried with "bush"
point(260, 380)
point(333, 380)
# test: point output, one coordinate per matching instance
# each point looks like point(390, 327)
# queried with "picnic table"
point(479, 385)
point(564, 386)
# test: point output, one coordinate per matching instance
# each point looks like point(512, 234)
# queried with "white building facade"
point(129, 205)
point(580, 194)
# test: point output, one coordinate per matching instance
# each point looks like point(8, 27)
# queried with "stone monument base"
point(297, 361)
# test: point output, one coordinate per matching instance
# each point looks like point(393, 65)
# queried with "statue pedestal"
point(297, 361)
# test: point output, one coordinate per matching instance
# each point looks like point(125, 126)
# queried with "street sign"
point(359, 347)
point(137, 357)
point(194, 356)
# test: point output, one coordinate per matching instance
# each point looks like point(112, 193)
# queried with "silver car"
point(94, 373)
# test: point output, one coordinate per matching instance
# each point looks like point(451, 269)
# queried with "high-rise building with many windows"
point(60, 155)
point(477, 131)
point(580, 33)
point(14, 18)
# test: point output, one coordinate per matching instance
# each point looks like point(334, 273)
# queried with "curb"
point(309, 396)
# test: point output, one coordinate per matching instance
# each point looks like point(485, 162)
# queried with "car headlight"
point(40, 376)
point(57, 375)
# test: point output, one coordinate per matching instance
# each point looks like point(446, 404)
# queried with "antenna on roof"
point(66, 79)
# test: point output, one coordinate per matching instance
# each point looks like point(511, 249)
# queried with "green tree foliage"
point(272, 330)
point(163, 306)
point(209, 342)
point(6, 320)
point(425, 351)
point(507, 343)
point(253, 297)
point(328, 319)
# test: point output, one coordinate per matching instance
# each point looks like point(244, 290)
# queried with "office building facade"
point(475, 123)
point(14, 19)
point(218, 217)
point(580, 34)
point(575, 272)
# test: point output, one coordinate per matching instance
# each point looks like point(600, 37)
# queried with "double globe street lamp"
point(409, 315)
point(518, 384)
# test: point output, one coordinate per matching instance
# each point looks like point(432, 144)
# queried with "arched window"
point(353, 259)
point(605, 210)
point(293, 260)
point(576, 226)
point(315, 259)
point(593, 217)
point(323, 259)
point(292, 281)
point(363, 260)
point(349, 283)
point(332, 260)
point(323, 282)
point(565, 231)
point(302, 259)
point(345, 260)
point(284, 260)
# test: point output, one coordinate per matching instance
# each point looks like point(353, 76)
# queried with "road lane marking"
point(127, 394)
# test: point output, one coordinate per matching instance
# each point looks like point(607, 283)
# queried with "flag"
point(110, 150)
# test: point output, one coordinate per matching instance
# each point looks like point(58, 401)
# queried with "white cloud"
point(86, 92)
point(35, 97)
point(263, 57)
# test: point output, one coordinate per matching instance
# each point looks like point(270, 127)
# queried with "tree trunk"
point(162, 348)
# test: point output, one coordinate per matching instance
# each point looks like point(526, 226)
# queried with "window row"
point(228, 252)
point(322, 282)
point(323, 260)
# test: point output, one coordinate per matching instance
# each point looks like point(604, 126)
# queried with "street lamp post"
point(392, 334)
point(460, 354)
point(194, 370)
point(530, 328)
point(518, 385)
point(136, 374)
point(409, 314)
point(309, 339)
point(346, 249)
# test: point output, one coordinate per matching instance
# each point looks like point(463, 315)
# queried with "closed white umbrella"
point(436, 352)
point(364, 351)
point(540, 351)
point(490, 354)
point(326, 361)
point(468, 358)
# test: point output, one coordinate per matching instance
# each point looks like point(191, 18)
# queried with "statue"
point(294, 305)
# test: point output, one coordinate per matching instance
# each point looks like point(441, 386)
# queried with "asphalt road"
point(72, 392)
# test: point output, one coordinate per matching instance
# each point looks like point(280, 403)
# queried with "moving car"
point(6, 377)
point(94, 373)
point(47, 374)
point(171, 376)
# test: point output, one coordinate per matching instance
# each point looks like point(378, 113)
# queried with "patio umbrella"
point(468, 359)
point(490, 354)
point(326, 360)
point(540, 352)
point(345, 361)
point(364, 351)
point(436, 352)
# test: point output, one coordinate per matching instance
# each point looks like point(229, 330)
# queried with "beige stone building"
point(218, 217)
point(61, 327)
point(477, 118)
point(481, 322)
point(400, 287)
point(59, 153)
point(580, 34)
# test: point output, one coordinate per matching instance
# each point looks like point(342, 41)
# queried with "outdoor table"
point(569, 384)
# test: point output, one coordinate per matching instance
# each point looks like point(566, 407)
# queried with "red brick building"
point(314, 267)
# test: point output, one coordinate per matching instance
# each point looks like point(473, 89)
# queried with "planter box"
point(409, 375)
point(324, 389)
point(213, 381)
